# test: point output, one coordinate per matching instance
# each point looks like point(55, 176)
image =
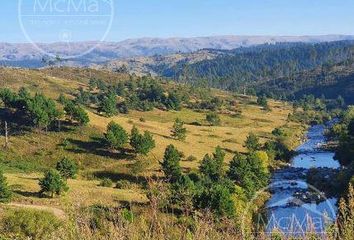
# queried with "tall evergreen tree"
point(171, 163)
point(108, 106)
point(53, 183)
point(212, 167)
point(116, 136)
point(142, 143)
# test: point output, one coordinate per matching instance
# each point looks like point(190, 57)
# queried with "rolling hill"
point(279, 70)
point(26, 55)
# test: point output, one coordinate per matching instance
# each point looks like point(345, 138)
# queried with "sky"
point(176, 18)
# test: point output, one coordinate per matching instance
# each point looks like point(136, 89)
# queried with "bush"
point(106, 182)
point(5, 192)
point(67, 168)
point(178, 131)
point(213, 119)
point(123, 184)
point(127, 215)
point(191, 158)
point(29, 224)
point(52, 183)
point(252, 143)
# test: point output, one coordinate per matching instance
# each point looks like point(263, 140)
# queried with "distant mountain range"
point(283, 70)
point(26, 55)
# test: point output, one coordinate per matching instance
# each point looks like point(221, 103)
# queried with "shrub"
point(67, 168)
point(178, 131)
point(53, 183)
point(252, 142)
point(123, 184)
point(213, 119)
point(106, 182)
point(5, 192)
point(191, 158)
point(29, 224)
point(127, 215)
point(263, 102)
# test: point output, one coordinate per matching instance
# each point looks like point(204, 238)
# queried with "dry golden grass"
point(81, 193)
point(37, 81)
point(33, 152)
point(202, 139)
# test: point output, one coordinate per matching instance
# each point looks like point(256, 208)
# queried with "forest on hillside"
point(290, 68)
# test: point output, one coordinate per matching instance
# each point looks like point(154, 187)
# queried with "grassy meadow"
point(32, 152)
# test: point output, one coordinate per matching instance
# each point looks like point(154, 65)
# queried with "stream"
point(296, 207)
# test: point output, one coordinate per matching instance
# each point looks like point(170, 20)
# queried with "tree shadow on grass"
point(28, 194)
point(98, 147)
point(114, 176)
point(17, 123)
point(164, 136)
point(228, 150)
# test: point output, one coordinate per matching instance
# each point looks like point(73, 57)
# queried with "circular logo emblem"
point(295, 209)
point(64, 22)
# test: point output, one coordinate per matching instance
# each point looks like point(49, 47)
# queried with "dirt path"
point(56, 211)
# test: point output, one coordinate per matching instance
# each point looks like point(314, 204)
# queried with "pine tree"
point(67, 168)
point(178, 131)
point(142, 144)
point(108, 105)
point(5, 192)
point(212, 167)
point(53, 183)
point(76, 113)
point(171, 163)
point(116, 136)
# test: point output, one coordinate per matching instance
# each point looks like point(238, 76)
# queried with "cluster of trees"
point(312, 110)
point(142, 94)
point(40, 111)
point(116, 137)
point(328, 80)
point(343, 131)
point(207, 103)
point(74, 111)
point(145, 94)
point(213, 187)
point(55, 180)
